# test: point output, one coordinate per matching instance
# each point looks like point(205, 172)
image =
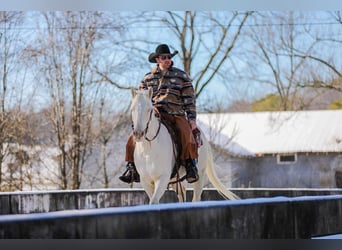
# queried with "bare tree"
point(324, 55)
point(65, 59)
point(211, 43)
point(276, 38)
point(290, 52)
point(10, 48)
point(109, 124)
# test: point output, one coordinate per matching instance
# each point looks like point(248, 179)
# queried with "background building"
point(277, 149)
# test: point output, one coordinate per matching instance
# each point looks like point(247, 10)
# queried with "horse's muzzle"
point(138, 135)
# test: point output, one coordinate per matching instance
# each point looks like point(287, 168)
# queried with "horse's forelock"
point(141, 95)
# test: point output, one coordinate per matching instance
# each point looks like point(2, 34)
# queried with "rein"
point(145, 131)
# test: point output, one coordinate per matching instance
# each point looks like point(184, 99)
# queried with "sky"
point(169, 5)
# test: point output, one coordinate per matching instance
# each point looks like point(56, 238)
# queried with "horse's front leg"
point(159, 189)
point(148, 187)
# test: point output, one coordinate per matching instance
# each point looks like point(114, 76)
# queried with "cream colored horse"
point(154, 155)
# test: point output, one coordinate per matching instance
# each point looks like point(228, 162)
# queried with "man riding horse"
point(174, 97)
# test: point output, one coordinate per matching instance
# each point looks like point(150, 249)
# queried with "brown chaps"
point(185, 136)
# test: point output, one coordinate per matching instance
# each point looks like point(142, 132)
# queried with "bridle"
point(146, 129)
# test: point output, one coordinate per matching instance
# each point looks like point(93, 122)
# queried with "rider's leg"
point(191, 170)
point(131, 174)
point(189, 149)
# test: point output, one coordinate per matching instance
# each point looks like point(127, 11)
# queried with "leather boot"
point(191, 171)
point(131, 174)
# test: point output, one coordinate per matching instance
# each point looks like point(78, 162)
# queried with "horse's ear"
point(150, 92)
point(133, 92)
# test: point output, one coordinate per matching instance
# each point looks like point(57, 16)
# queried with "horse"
point(154, 155)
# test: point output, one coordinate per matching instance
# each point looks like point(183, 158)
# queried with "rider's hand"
point(193, 125)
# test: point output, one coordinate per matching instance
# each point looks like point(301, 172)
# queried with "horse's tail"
point(215, 181)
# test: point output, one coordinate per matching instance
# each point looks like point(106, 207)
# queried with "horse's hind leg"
point(198, 186)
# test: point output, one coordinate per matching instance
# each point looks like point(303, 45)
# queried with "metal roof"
point(250, 134)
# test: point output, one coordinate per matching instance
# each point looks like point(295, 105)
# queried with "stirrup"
point(131, 174)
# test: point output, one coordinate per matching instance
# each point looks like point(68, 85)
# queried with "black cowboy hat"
point(161, 49)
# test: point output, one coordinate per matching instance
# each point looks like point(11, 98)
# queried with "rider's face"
point(164, 61)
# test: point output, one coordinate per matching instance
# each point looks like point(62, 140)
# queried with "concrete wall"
point(48, 201)
point(252, 218)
